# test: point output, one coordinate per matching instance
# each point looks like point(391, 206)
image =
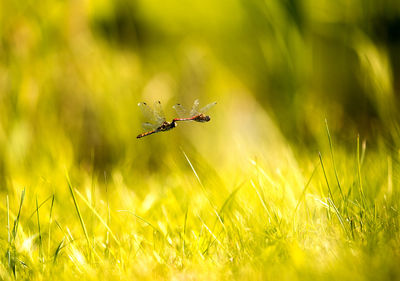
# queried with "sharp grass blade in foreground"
point(12, 251)
point(40, 205)
point(361, 189)
point(16, 221)
point(339, 216)
point(330, 195)
point(142, 219)
point(333, 159)
point(219, 217)
point(212, 235)
point(78, 212)
point(193, 169)
point(304, 192)
point(326, 178)
point(98, 216)
point(41, 259)
point(58, 250)
point(203, 188)
point(230, 198)
point(50, 223)
point(107, 249)
point(260, 198)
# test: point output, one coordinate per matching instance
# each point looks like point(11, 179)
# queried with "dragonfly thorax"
point(167, 126)
point(202, 118)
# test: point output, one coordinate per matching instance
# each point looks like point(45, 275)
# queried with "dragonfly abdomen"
point(146, 134)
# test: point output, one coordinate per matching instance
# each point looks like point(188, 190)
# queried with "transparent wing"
point(149, 126)
point(180, 110)
point(148, 113)
point(207, 107)
point(195, 108)
point(159, 116)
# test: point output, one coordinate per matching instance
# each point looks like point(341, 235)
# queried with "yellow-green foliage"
point(267, 190)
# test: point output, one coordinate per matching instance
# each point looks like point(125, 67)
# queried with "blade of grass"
point(339, 216)
point(107, 250)
point(304, 191)
point(11, 252)
point(230, 198)
point(219, 214)
point(326, 178)
point(40, 205)
point(50, 223)
point(203, 188)
point(16, 222)
point(363, 149)
point(78, 211)
point(8, 233)
point(97, 215)
point(212, 234)
point(193, 169)
point(333, 159)
point(327, 183)
point(57, 252)
point(39, 232)
point(361, 189)
point(261, 199)
point(142, 219)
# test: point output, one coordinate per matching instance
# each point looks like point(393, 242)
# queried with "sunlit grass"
point(336, 221)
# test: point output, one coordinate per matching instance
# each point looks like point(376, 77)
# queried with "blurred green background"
point(72, 73)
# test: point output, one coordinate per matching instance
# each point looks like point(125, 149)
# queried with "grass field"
point(250, 220)
point(296, 176)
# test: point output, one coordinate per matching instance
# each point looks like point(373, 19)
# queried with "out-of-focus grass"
point(245, 196)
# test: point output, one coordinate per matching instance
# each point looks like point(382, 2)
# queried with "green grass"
point(266, 225)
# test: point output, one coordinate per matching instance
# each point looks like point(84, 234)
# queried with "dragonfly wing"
point(148, 113)
point(207, 107)
point(195, 108)
point(159, 116)
point(148, 126)
point(180, 110)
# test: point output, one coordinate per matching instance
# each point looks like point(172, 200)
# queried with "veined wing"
point(154, 117)
point(207, 107)
point(147, 111)
point(180, 110)
point(159, 116)
point(149, 126)
point(195, 108)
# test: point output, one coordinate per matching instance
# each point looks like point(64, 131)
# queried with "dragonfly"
point(195, 114)
point(156, 117)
